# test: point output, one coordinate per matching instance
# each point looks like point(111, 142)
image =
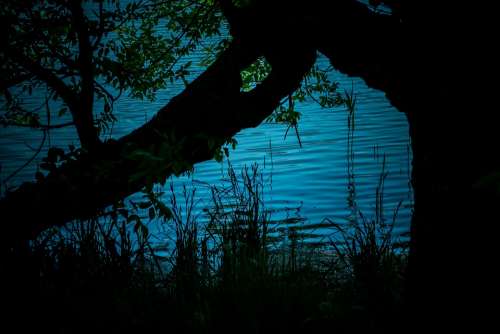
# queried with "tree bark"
point(186, 131)
point(433, 67)
point(83, 112)
point(416, 58)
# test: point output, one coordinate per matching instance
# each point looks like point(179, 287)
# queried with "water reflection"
point(312, 179)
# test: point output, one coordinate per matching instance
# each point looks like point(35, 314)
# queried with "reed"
point(231, 274)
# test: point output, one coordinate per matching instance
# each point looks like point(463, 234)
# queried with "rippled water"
point(313, 179)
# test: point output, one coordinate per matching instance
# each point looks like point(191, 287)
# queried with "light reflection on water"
point(315, 179)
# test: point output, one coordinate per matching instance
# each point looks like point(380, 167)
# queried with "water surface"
point(315, 180)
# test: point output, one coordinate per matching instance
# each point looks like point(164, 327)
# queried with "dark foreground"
point(233, 275)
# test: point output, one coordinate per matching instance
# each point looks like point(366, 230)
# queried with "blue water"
point(312, 180)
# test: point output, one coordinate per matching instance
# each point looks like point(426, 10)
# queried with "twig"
point(14, 173)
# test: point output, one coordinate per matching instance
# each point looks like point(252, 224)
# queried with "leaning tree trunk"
point(188, 130)
point(417, 58)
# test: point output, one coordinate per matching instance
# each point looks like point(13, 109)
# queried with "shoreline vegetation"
point(236, 269)
point(235, 273)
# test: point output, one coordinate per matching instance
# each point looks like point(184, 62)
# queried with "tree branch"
point(82, 188)
point(83, 115)
point(6, 83)
point(53, 81)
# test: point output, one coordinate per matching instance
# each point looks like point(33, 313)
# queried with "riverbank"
point(236, 273)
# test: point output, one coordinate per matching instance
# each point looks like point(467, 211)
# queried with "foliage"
point(97, 50)
point(57, 156)
point(223, 151)
point(222, 276)
point(123, 46)
point(254, 74)
point(316, 87)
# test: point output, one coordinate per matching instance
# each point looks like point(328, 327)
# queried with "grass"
point(373, 260)
point(232, 274)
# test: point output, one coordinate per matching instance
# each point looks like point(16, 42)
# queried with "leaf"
point(53, 154)
point(123, 213)
point(135, 218)
point(152, 213)
point(46, 166)
point(39, 176)
point(165, 211)
point(141, 230)
point(62, 111)
point(144, 205)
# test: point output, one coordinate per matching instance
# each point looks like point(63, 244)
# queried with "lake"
point(312, 182)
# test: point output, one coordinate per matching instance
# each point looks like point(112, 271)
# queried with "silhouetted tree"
point(417, 55)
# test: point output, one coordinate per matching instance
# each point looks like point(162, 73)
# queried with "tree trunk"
point(186, 131)
point(419, 61)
